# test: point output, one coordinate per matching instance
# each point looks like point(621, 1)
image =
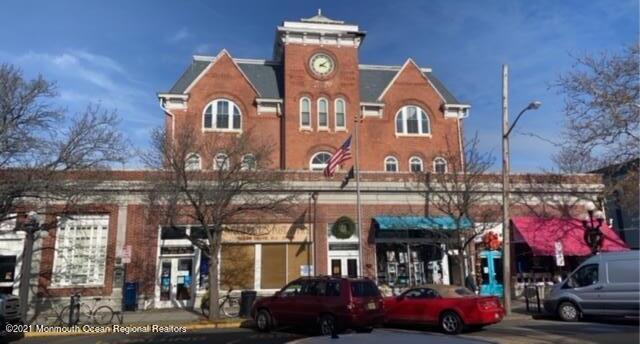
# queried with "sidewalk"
point(188, 319)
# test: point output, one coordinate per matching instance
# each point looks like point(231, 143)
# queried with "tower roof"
point(319, 18)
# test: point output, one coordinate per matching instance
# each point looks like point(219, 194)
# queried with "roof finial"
point(319, 11)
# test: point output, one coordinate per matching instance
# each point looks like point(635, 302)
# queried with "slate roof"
point(268, 79)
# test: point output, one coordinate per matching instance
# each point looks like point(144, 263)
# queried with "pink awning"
point(541, 234)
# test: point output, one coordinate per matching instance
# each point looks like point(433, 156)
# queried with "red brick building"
point(305, 100)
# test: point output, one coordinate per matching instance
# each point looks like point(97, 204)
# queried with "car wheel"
point(451, 323)
point(568, 311)
point(327, 325)
point(263, 321)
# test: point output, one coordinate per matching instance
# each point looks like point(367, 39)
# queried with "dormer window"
point(412, 120)
point(222, 115)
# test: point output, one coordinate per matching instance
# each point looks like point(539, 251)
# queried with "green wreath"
point(344, 228)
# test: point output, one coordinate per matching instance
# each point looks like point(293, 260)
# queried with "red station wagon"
point(451, 307)
point(329, 303)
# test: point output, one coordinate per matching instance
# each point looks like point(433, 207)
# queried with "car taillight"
point(487, 304)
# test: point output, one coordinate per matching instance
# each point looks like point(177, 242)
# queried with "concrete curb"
point(92, 330)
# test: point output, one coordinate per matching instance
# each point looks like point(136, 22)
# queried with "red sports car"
point(450, 307)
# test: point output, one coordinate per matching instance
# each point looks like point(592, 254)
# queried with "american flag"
point(341, 155)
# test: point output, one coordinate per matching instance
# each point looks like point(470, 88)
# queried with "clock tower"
point(321, 86)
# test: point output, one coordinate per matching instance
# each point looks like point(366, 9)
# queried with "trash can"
point(247, 297)
point(130, 297)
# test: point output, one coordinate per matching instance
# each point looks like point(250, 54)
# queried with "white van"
point(605, 284)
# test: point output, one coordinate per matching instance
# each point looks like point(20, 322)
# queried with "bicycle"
point(86, 314)
point(229, 305)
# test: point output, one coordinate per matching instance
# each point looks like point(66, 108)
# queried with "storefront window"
point(81, 252)
point(401, 264)
point(237, 267)
point(273, 273)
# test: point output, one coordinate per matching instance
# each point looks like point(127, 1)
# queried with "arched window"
point(439, 165)
point(221, 162)
point(305, 112)
point(412, 120)
point(222, 114)
point(391, 164)
point(192, 163)
point(415, 164)
point(323, 113)
point(319, 161)
point(248, 162)
point(341, 114)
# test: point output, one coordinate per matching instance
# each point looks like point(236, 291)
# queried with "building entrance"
point(176, 282)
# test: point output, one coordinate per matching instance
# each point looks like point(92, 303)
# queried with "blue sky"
point(120, 53)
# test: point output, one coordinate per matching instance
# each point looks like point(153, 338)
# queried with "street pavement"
point(512, 330)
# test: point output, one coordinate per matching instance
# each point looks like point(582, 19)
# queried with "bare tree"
point(602, 109)
point(241, 188)
point(40, 144)
point(461, 193)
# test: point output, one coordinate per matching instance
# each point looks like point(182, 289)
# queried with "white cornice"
point(388, 68)
point(317, 27)
point(173, 96)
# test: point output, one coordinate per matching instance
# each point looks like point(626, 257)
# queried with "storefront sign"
point(289, 232)
point(559, 254)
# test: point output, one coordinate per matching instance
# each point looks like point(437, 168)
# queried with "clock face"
point(321, 64)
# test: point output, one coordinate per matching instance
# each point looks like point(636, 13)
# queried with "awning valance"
point(391, 223)
point(541, 234)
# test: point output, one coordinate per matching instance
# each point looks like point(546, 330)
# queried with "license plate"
point(371, 306)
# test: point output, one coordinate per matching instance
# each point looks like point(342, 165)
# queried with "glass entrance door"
point(176, 282)
point(347, 267)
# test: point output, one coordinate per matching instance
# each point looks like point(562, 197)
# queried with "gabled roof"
point(190, 74)
point(268, 79)
point(374, 81)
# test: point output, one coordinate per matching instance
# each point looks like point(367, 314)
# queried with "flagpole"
point(358, 210)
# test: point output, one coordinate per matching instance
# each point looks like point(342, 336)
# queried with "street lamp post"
point(31, 227)
point(592, 234)
point(506, 130)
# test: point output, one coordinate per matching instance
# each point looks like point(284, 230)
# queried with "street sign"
point(126, 254)
point(559, 254)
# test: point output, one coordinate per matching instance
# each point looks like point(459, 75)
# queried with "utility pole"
point(506, 240)
point(358, 208)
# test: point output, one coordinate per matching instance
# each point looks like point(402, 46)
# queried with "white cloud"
point(179, 35)
point(83, 77)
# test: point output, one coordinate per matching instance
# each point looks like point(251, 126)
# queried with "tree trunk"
point(214, 271)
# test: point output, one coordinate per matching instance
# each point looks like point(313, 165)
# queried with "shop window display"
point(404, 265)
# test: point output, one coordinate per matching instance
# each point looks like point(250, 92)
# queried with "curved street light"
point(506, 130)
